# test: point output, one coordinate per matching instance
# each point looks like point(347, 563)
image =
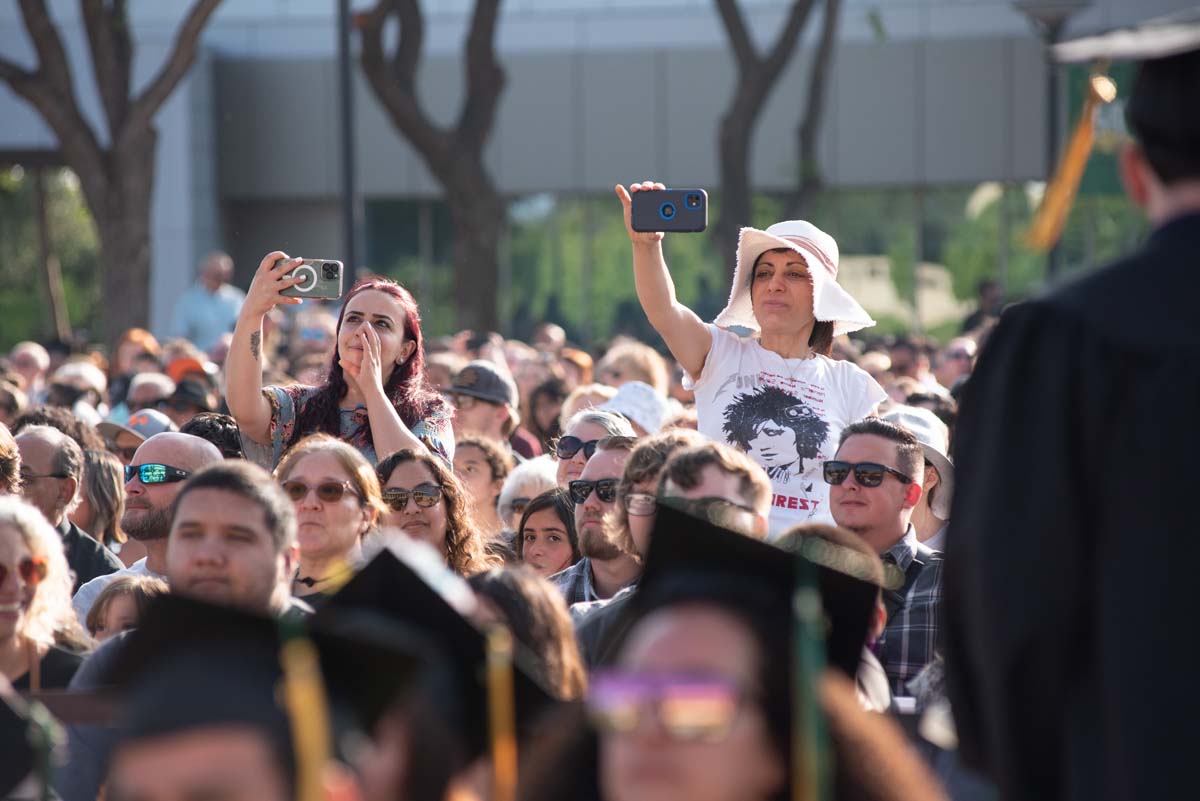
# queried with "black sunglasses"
point(568, 446)
point(155, 473)
point(867, 474)
point(425, 496)
point(606, 489)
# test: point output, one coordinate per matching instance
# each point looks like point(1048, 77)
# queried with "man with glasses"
point(152, 481)
point(608, 563)
point(875, 483)
point(51, 478)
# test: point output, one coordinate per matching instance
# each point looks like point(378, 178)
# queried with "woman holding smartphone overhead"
point(762, 372)
point(374, 396)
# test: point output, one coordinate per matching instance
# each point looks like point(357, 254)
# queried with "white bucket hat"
point(831, 303)
point(934, 437)
point(641, 403)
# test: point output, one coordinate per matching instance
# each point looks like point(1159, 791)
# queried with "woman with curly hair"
point(337, 500)
point(429, 504)
point(41, 641)
point(374, 397)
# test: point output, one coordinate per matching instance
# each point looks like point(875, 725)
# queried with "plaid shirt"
point(911, 635)
point(575, 583)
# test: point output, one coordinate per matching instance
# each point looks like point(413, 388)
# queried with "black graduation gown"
point(1076, 525)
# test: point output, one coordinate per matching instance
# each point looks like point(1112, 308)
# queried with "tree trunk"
point(809, 180)
point(59, 323)
point(734, 150)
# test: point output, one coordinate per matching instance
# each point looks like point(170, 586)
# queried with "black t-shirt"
point(58, 667)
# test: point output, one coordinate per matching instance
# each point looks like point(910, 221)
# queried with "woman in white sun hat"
point(774, 393)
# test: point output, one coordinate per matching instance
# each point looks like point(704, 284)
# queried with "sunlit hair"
point(142, 589)
point(527, 480)
point(636, 361)
point(406, 388)
point(104, 489)
point(537, 616)
point(683, 470)
point(583, 397)
point(614, 425)
point(50, 619)
point(465, 553)
point(10, 463)
point(139, 336)
point(358, 469)
point(645, 462)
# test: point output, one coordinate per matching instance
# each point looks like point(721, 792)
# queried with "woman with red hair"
point(374, 396)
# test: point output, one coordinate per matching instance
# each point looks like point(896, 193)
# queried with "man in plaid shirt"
point(875, 483)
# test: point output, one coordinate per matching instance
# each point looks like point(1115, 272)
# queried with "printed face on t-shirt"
point(773, 445)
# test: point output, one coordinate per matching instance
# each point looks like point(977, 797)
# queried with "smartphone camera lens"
point(693, 201)
point(330, 271)
point(667, 211)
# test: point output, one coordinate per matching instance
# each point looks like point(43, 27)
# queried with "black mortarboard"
point(389, 586)
point(191, 664)
point(691, 558)
point(16, 744)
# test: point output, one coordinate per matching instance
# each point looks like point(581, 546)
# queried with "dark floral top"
point(287, 402)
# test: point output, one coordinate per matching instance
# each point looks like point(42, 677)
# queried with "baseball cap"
point(480, 379)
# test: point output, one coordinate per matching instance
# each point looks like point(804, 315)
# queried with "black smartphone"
point(682, 211)
point(323, 280)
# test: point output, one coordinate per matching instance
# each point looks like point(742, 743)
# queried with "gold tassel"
point(308, 712)
point(502, 714)
point(1060, 193)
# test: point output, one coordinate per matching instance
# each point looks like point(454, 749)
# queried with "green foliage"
point(73, 240)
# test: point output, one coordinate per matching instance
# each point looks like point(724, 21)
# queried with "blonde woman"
point(338, 504)
point(41, 641)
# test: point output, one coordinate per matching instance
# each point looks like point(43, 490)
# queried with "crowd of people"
point(302, 550)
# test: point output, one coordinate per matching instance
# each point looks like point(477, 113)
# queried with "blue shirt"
point(202, 316)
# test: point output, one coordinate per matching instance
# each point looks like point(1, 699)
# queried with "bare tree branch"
point(111, 80)
point(52, 58)
point(809, 180)
point(410, 41)
point(739, 38)
point(182, 56)
point(781, 52)
point(399, 99)
point(485, 78)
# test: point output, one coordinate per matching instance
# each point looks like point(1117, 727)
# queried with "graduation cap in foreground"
point(487, 694)
point(693, 558)
point(1162, 111)
point(28, 736)
point(192, 665)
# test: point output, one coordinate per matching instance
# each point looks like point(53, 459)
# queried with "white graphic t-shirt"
point(786, 414)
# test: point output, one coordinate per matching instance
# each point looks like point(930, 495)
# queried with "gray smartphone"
point(678, 210)
point(323, 279)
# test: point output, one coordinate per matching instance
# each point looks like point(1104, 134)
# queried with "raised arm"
point(686, 335)
point(244, 365)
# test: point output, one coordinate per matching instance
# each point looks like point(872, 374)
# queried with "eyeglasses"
point(464, 402)
point(155, 473)
point(424, 495)
point(688, 708)
point(31, 569)
point(639, 504)
point(867, 474)
point(327, 492)
point(568, 446)
point(28, 476)
point(606, 489)
point(958, 354)
point(719, 512)
point(517, 505)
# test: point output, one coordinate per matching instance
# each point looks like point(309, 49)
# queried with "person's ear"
point(291, 559)
point(370, 518)
point(878, 621)
point(407, 352)
point(912, 495)
point(1134, 168)
point(932, 479)
point(67, 490)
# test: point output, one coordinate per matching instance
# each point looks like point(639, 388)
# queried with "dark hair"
point(560, 501)
point(85, 436)
point(821, 338)
point(1157, 115)
point(537, 616)
point(555, 390)
point(910, 457)
point(10, 463)
point(465, 552)
point(750, 410)
point(256, 485)
point(219, 429)
point(646, 462)
point(945, 408)
point(500, 462)
point(406, 388)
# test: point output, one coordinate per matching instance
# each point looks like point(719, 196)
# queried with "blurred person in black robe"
point(1078, 431)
